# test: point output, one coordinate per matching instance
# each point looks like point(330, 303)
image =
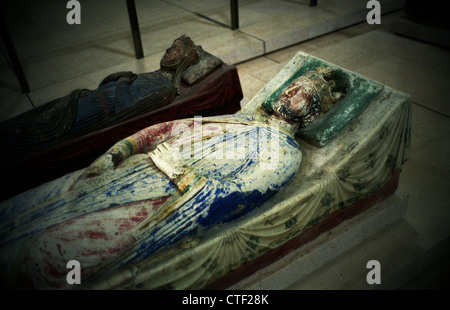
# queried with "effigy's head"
point(182, 50)
point(307, 97)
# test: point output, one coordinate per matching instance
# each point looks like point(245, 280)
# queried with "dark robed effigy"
point(69, 132)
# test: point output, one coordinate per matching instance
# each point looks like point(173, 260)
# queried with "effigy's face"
point(296, 101)
point(173, 53)
point(307, 97)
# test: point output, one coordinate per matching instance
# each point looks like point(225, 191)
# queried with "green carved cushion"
point(359, 92)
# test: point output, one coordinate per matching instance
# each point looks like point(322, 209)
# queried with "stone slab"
point(310, 257)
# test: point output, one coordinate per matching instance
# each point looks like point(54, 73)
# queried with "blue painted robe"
point(236, 163)
point(84, 111)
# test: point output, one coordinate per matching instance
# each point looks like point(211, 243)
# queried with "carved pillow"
point(359, 92)
point(207, 64)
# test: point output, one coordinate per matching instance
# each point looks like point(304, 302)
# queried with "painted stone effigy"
point(119, 97)
point(150, 190)
point(361, 150)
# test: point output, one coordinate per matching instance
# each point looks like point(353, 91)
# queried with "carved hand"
point(169, 161)
point(100, 165)
point(126, 75)
point(110, 159)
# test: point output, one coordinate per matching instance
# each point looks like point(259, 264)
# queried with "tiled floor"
point(56, 63)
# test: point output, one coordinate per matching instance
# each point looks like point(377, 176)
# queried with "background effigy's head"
point(182, 48)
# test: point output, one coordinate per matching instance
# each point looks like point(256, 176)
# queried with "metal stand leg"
point(135, 29)
point(17, 68)
point(234, 14)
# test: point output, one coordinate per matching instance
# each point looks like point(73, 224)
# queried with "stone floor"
point(58, 58)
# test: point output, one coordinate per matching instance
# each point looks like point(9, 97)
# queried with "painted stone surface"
point(140, 197)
